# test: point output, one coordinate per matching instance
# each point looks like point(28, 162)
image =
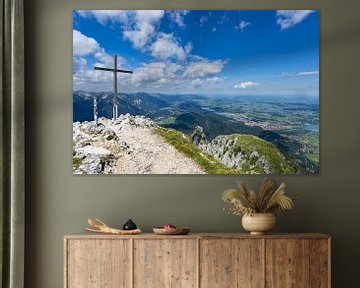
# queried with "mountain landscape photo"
point(195, 92)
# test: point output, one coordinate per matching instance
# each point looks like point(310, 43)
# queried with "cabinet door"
point(165, 263)
point(287, 263)
point(98, 263)
point(231, 263)
point(320, 263)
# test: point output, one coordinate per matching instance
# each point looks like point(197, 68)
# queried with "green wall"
point(59, 203)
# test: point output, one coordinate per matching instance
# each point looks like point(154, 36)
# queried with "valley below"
point(242, 134)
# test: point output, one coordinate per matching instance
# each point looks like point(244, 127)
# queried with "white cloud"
point(83, 75)
point(308, 73)
point(155, 74)
point(106, 59)
point(188, 47)
point(143, 29)
point(225, 18)
point(242, 25)
point(83, 45)
point(158, 76)
point(289, 18)
point(203, 68)
point(79, 63)
point(177, 16)
point(139, 38)
point(138, 26)
point(197, 83)
point(104, 16)
point(166, 46)
point(203, 20)
point(246, 85)
point(167, 76)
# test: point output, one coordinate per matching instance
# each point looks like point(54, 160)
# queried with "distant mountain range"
point(135, 104)
point(184, 113)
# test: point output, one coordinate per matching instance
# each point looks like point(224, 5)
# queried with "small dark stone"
point(129, 225)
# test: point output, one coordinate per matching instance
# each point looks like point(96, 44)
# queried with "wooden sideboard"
point(197, 260)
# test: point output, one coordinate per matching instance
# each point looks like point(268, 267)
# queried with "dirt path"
point(147, 153)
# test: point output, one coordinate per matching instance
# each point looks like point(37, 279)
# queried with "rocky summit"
point(137, 145)
point(128, 145)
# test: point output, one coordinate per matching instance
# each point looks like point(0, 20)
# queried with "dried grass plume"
point(267, 200)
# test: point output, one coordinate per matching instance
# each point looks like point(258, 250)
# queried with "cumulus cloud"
point(106, 59)
point(138, 26)
point(104, 16)
point(173, 66)
point(289, 18)
point(155, 74)
point(188, 47)
point(83, 45)
point(79, 63)
point(166, 46)
point(140, 37)
point(197, 83)
point(308, 73)
point(166, 76)
point(143, 29)
point(177, 16)
point(242, 25)
point(203, 68)
point(246, 85)
point(84, 76)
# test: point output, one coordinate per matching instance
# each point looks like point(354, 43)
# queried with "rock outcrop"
point(127, 145)
point(247, 153)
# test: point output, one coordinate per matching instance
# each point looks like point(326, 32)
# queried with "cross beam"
point(115, 71)
point(111, 69)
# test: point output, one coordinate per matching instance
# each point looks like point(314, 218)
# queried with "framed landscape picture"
point(196, 92)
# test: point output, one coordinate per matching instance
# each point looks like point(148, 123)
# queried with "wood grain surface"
point(231, 263)
point(319, 263)
point(165, 263)
point(287, 263)
point(98, 263)
point(197, 260)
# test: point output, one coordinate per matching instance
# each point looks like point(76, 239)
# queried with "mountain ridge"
point(184, 112)
point(135, 144)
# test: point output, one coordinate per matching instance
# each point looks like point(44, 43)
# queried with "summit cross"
point(115, 71)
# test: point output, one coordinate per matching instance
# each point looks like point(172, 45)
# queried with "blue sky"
point(245, 52)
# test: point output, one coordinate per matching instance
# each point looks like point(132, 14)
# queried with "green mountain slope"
point(249, 153)
point(230, 154)
point(184, 144)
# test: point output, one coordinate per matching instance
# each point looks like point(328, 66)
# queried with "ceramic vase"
point(259, 223)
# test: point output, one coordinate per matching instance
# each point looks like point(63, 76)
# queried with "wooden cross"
point(115, 71)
